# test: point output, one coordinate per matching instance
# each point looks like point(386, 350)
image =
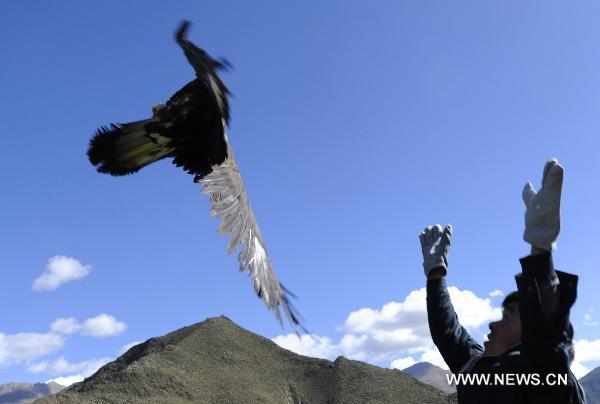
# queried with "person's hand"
point(435, 245)
point(542, 217)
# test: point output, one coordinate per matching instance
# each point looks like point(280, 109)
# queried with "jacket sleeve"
point(453, 341)
point(545, 300)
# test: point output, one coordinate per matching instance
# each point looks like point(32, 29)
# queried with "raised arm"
point(545, 295)
point(453, 341)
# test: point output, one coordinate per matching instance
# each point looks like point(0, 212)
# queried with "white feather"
point(229, 200)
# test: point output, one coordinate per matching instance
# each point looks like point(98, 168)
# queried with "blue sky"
point(355, 125)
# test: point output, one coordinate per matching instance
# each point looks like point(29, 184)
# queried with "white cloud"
point(473, 311)
point(127, 347)
point(434, 357)
point(65, 326)
point(59, 270)
point(399, 332)
point(351, 346)
point(38, 367)
point(308, 345)
point(395, 330)
point(102, 325)
point(22, 347)
point(496, 293)
point(62, 366)
point(586, 350)
point(578, 369)
point(412, 313)
point(431, 355)
point(403, 363)
point(67, 380)
point(25, 348)
point(587, 319)
point(402, 327)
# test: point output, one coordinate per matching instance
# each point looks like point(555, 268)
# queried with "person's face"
point(506, 332)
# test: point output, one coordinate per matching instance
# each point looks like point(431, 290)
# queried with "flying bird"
point(190, 128)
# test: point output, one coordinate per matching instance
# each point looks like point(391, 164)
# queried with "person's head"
point(506, 332)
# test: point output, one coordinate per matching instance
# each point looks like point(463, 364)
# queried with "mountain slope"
point(591, 385)
point(217, 361)
point(27, 392)
point(432, 375)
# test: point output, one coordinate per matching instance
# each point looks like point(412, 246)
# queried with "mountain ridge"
point(23, 393)
point(216, 361)
point(431, 374)
point(591, 385)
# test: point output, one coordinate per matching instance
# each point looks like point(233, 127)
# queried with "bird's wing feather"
point(229, 200)
point(206, 68)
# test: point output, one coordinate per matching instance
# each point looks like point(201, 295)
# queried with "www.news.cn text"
point(507, 379)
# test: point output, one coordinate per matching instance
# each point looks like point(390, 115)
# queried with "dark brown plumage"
point(190, 127)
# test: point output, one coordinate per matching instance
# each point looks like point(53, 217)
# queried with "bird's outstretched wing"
point(229, 200)
point(206, 68)
point(190, 128)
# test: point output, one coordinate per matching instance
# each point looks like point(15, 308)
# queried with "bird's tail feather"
point(124, 149)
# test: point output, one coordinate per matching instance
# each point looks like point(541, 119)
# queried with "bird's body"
point(190, 128)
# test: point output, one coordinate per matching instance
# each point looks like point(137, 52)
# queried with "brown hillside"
point(217, 361)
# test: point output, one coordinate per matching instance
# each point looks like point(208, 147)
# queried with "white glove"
point(542, 218)
point(435, 245)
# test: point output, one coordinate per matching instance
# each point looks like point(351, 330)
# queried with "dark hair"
point(570, 345)
point(513, 297)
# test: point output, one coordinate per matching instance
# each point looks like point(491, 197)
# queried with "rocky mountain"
point(217, 361)
point(591, 385)
point(432, 375)
point(22, 393)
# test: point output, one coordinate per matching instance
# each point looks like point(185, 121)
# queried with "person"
point(528, 353)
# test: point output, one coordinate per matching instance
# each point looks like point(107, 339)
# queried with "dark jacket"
point(545, 299)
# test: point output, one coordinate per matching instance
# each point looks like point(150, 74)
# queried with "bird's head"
point(201, 61)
